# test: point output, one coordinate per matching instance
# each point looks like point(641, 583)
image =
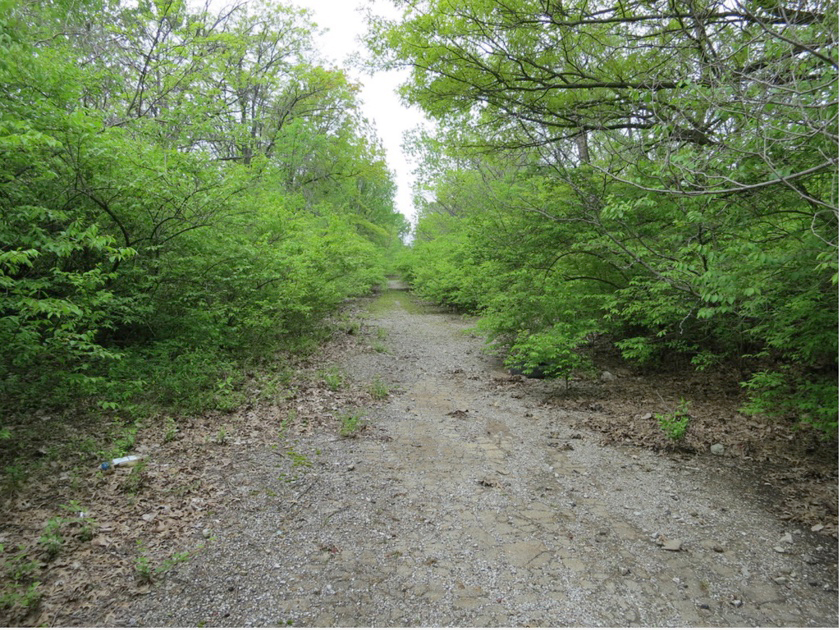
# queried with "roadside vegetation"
point(659, 175)
point(186, 194)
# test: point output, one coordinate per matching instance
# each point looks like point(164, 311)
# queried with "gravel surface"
point(468, 502)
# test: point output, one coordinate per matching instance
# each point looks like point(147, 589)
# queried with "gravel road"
point(468, 502)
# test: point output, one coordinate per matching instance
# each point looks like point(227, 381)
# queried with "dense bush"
point(663, 174)
point(181, 193)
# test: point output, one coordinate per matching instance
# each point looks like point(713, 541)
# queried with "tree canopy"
point(181, 189)
point(660, 172)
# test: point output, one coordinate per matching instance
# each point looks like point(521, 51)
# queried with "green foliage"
point(172, 561)
point(378, 389)
point(17, 566)
point(553, 352)
point(611, 170)
point(806, 399)
point(51, 540)
point(675, 423)
point(172, 207)
point(20, 590)
point(79, 522)
point(136, 479)
point(146, 573)
point(170, 430)
point(124, 444)
point(221, 436)
point(143, 572)
point(351, 423)
point(299, 460)
point(15, 476)
point(333, 378)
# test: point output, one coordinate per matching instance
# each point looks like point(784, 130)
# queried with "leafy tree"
point(669, 169)
point(182, 192)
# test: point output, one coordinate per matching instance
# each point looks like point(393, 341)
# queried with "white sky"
point(343, 20)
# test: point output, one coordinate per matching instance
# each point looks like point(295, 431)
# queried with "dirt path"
point(467, 502)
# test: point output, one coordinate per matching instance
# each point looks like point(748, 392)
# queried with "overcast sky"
point(343, 20)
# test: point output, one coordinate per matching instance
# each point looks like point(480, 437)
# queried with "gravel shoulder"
point(469, 501)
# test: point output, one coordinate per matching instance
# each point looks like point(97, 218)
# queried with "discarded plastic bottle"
point(130, 460)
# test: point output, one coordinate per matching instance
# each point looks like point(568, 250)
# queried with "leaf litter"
point(166, 512)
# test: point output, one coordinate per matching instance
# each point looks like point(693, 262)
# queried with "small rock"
point(624, 570)
point(717, 548)
point(703, 606)
point(674, 544)
point(608, 376)
point(647, 416)
point(351, 467)
point(787, 538)
point(818, 527)
point(737, 603)
point(778, 549)
point(206, 532)
point(780, 580)
point(328, 590)
point(717, 449)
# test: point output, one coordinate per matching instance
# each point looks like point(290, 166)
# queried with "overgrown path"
point(468, 502)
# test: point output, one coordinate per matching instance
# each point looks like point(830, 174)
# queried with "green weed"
point(145, 573)
point(27, 600)
point(675, 424)
point(332, 378)
point(19, 589)
point(170, 430)
point(286, 423)
point(136, 478)
point(171, 561)
point(79, 519)
point(378, 390)
point(125, 443)
point(351, 424)
point(15, 476)
point(18, 567)
point(299, 460)
point(391, 300)
point(142, 565)
point(51, 540)
point(221, 436)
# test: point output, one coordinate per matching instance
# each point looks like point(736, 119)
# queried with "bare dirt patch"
point(466, 498)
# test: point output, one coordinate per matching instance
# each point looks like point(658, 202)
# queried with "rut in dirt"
point(468, 501)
